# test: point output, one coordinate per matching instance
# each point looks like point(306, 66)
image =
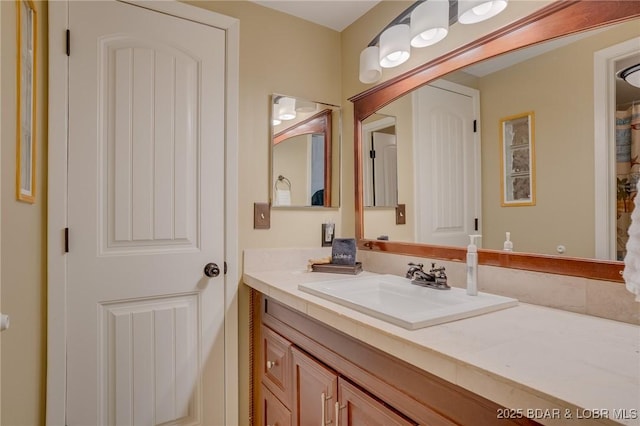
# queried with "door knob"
point(211, 270)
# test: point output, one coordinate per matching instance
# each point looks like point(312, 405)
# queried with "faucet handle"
point(419, 265)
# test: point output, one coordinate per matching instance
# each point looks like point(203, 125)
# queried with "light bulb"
point(395, 44)
point(472, 11)
point(483, 8)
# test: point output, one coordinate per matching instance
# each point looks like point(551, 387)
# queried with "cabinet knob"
point(271, 364)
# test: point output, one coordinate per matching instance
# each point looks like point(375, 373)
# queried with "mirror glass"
point(451, 157)
point(380, 162)
point(305, 149)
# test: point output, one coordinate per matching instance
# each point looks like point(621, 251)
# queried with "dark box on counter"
point(343, 251)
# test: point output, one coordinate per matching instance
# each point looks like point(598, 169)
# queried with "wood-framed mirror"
point(551, 22)
point(305, 148)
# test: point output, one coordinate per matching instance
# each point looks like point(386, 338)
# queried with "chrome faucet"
point(435, 278)
point(413, 269)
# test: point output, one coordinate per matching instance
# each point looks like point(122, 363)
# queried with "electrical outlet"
point(401, 214)
point(261, 216)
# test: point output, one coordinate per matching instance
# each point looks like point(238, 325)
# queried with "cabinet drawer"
point(274, 413)
point(276, 365)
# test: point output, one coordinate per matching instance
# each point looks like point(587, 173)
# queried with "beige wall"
point(287, 157)
point(286, 55)
point(23, 272)
point(562, 100)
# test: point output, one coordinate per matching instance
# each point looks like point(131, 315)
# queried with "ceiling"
point(334, 14)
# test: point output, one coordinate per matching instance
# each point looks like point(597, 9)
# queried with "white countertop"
point(573, 368)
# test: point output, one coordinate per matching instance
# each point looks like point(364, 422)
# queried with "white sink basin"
point(394, 299)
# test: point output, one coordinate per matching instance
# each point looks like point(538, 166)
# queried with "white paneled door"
point(447, 164)
point(145, 340)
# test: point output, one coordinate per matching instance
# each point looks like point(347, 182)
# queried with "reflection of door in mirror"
point(447, 163)
point(380, 165)
point(617, 115)
point(627, 131)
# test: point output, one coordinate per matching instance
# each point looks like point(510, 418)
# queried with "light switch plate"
point(261, 216)
point(401, 214)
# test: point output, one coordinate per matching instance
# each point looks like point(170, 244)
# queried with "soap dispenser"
point(508, 244)
point(472, 266)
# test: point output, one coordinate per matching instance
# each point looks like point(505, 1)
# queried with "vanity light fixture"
point(429, 23)
point(370, 70)
point(287, 108)
point(424, 23)
point(631, 75)
point(305, 106)
point(395, 44)
point(473, 11)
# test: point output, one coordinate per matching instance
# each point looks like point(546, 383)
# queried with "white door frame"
point(604, 152)
point(57, 200)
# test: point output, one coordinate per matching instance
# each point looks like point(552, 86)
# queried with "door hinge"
point(475, 126)
point(225, 268)
point(68, 42)
point(476, 224)
point(372, 153)
point(66, 240)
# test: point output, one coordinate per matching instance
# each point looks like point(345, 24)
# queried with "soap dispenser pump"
point(472, 266)
point(508, 244)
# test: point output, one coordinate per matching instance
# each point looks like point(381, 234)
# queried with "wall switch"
point(261, 216)
point(401, 216)
point(328, 231)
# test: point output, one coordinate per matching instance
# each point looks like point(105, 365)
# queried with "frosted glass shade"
point(395, 45)
point(631, 75)
point(287, 108)
point(429, 23)
point(472, 11)
point(370, 70)
point(305, 106)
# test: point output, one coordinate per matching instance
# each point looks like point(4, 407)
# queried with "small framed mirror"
point(305, 153)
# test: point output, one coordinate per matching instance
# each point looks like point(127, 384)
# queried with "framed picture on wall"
point(517, 160)
point(26, 84)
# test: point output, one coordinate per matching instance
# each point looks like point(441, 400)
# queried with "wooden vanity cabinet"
point(274, 412)
point(315, 390)
point(306, 373)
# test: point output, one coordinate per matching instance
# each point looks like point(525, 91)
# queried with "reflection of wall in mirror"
point(563, 102)
point(286, 162)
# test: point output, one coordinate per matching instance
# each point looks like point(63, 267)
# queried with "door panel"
point(357, 408)
point(145, 326)
point(315, 390)
point(151, 161)
point(447, 165)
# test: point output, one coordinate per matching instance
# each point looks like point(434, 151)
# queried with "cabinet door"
point(315, 391)
point(274, 412)
point(276, 365)
point(354, 407)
